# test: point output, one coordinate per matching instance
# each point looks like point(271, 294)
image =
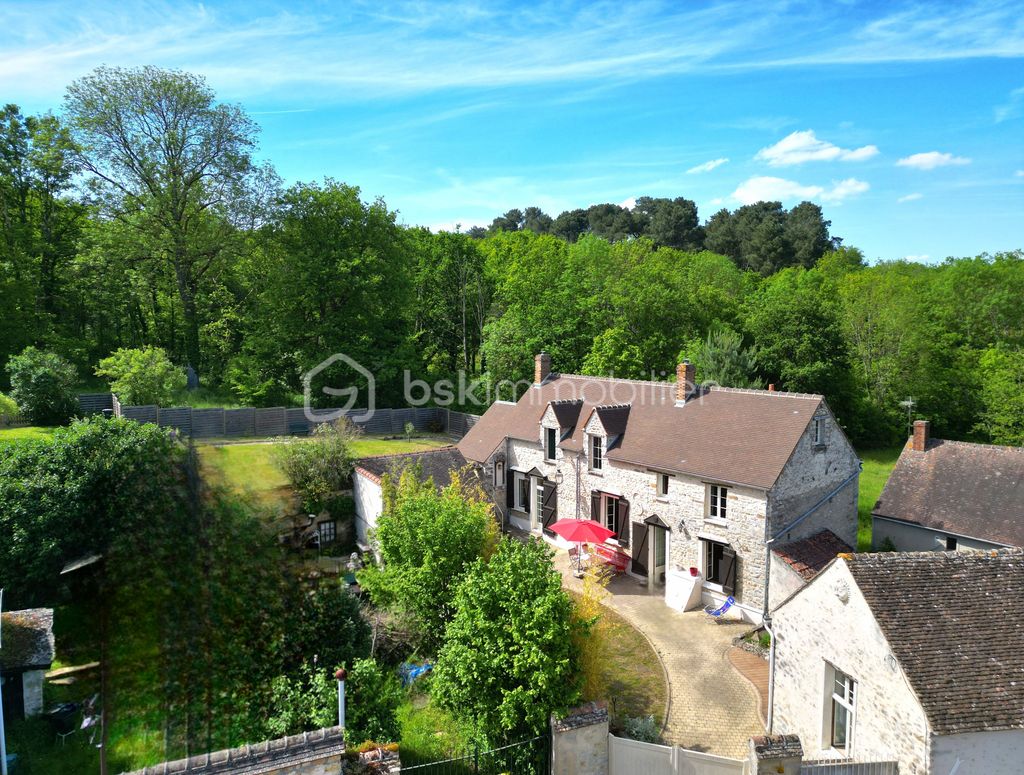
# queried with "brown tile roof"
point(969, 489)
point(613, 418)
point(809, 555)
point(567, 412)
point(26, 639)
point(438, 464)
point(739, 436)
point(955, 622)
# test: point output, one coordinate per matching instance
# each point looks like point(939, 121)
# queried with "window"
point(950, 543)
point(720, 565)
point(522, 501)
point(662, 485)
point(499, 473)
point(841, 710)
point(718, 502)
point(611, 513)
point(328, 532)
point(596, 453)
point(550, 443)
point(819, 431)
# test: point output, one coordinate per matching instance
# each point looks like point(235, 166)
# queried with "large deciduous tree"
point(167, 157)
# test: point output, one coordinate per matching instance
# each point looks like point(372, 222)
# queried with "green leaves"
point(43, 386)
point(321, 466)
point(142, 376)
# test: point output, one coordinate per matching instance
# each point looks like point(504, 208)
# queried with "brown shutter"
point(595, 506)
point(623, 520)
point(640, 548)
point(510, 483)
point(548, 505)
point(728, 573)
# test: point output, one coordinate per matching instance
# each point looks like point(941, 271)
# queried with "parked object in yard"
point(410, 672)
point(719, 613)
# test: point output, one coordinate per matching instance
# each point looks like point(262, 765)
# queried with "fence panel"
point(689, 762)
point(207, 423)
point(178, 417)
point(824, 767)
point(298, 423)
point(239, 422)
point(399, 417)
point(146, 413)
point(95, 403)
point(627, 757)
point(271, 422)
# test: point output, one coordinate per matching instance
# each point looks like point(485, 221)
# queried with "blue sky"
point(904, 120)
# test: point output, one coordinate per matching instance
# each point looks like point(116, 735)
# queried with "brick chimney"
point(920, 437)
point(541, 367)
point(686, 381)
point(771, 388)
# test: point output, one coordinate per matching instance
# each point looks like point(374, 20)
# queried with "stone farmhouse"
point(910, 657)
point(945, 495)
point(698, 484)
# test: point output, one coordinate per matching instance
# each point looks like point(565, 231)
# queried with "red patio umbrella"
point(582, 531)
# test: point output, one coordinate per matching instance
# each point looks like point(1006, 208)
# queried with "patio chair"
point(62, 720)
point(718, 614)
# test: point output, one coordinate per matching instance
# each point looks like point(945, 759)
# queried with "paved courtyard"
point(712, 708)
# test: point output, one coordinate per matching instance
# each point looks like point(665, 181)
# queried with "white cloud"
point(764, 188)
point(629, 204)
point(800, 147)
point(706, 166)
point(910, 197)
point(1012, 108)
point(931, 160)
point(918, 258)
point(1019, 174)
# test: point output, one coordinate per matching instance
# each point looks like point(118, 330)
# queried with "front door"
point(658, 555)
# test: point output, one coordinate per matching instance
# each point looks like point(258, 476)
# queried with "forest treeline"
point(139, 215)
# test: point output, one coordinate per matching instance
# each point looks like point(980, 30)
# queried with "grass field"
point(252, 469)
point(878, 464)
point(25, 432)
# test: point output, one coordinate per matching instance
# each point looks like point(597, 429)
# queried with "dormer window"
point(662, 485)
point(596, 453)
point(550, 443)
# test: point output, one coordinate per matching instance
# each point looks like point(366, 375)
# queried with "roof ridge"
point(654, 383)
point(862, 557)
point(620, 405)
point(406, 454)
point(759, 391)
point(978, 445)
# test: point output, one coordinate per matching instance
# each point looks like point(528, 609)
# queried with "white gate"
point(630, 757)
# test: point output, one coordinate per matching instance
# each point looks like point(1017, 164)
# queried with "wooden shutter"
point(640, 548)
point(548, 505)
point(728, 573)
point(622, 517)
point(510, 493)
point(595, 506)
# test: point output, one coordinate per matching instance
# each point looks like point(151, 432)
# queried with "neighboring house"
point(687, 478)
point(26, 653)
point(913, 657)
point(369, 472)
point(949, 495)
point(796, 563)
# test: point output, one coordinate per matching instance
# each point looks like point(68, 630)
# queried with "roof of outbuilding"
point(808, 556)
point(955, 622)
point(968, 489)
point(438, 464)
point(730, 435)
point(26, 639)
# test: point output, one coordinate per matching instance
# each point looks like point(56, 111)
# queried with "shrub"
point(319, 467)
point(371, 708)
point(409, 429)
point(142, 376)
point(8, 410)
point(642, 728)
point(43, 386)
point(764, 640)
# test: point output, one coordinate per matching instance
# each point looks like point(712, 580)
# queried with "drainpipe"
point(767, 624)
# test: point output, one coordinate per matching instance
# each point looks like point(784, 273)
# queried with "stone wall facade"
point(816, 631)
point(814, 471)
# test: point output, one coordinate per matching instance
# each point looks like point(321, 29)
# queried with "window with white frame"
point(499, 473)
point(596, 453)
point(522, 492)
point(662, 481)
point(550, 443)
point(841, 709)
point(611, 513)
point(718, 502)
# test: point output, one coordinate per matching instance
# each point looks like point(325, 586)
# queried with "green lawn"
point(878, 464)
point(251, 468)
point(429, 733)
point(25, 432)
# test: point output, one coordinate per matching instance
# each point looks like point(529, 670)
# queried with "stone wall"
point(816, 629)
point(579, 741)
point(992, 753)
point(313, 753)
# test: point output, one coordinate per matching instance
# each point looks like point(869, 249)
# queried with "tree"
point(159, 147)
point(723, 360)
point(301, 702)
point(1002, 395)
point(142, 376)
point(509, 658)
point(613, 222)
point(428, 539)
point(319, 467)
point(372, 709)
point(536, 220)
point(672, 223)
point(806, 231)
point(510, 221)
point(43, 386)
point(8, 410)
point(571, 225)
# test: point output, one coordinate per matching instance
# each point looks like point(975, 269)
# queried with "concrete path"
point(712, 708)
point(754, 669)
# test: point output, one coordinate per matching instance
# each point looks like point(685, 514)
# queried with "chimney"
point(920, 437)
point(686, 379)
point(541, 367)
point(771, 388)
